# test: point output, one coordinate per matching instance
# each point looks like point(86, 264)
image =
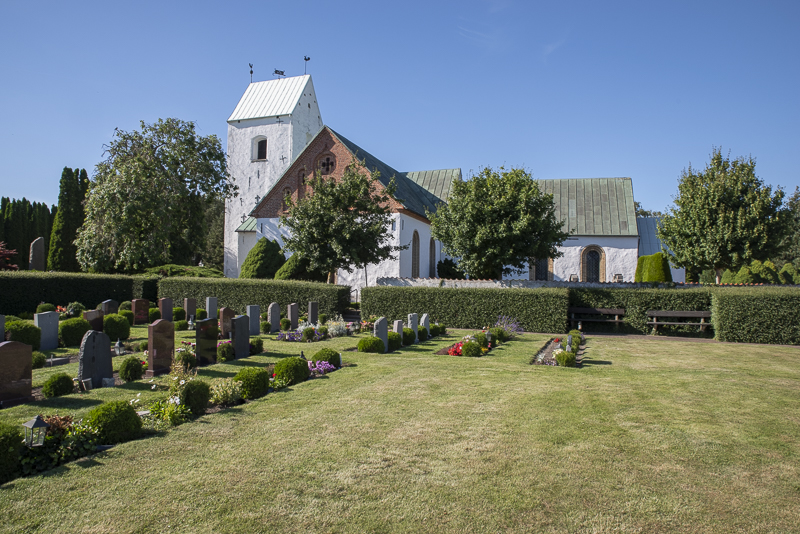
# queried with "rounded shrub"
point(408, 336)
point(39, 359)
point(57, 385)
point(434, 330)
point(45, 307)
point(565, 359)
point(482, 340)
point(371, 344)
point(323, 331)
point(285, 324)
point(265, 316)
point(328, 355)
point(266, 327)
point(127, 314)
point(71, 331)
point(422, 332)
point(293, 370)
point(395, 341)
point(225, 353)
point(195, 396)
point(186, 359)
point(471, 349)
point(178, 314)
point(131, 369)
point(116, 326)
point(442, 329)
point(75, 309)
point(498, 335)
point(25, 332)
point(200, 314)
point(125, 305)
point(115, 421)
point(153, 315)
point(323, 318)
point(181, 325)
point(308, 334)
point(255, 382)
point(256, 346)
point(263, 260)
point(10, 450)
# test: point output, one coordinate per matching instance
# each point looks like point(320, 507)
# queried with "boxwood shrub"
point(286, 324)
point(256, 346)
point(24, 332)
point(266, 327)
point(153, 315)
point(39, 360)
point(757, 315)
point(408, 336)
point(57, 385)
point(422, 332)
point(116, 421)
point(10, 449)
point(395, 341)
point(200, 314)
point(328, 355)
point(226, 353)
point(71, 331)
point(471, 349)
point(116, 326)
point(178, 314)
point(566, 359)
point(293, 369)
point(181, 325)
point(128, 315)
point(371, 344)
point(434, 330)
point(131, 369)
point(45, 307)
point(195, 396)
point(255, 382)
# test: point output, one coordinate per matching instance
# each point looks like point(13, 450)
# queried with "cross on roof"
point(278, 120)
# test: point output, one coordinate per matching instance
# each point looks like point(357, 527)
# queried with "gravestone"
point(140, 309)
point(36, 260)
point(2, 328)
point(190, 305)
point(109, 306)
point(398, 327)
point(16, 376)
point(254, 315)
point(160, 347)
point(48, 322)
point(313, 312)
point(95, 318)
point(569, 343)
point(94, 360)
point(165, 306)
point(381, 330)
point(413, 324)
point(426, 322)
point(294, 315)
point(274, 317)
point(211, 307)
point(206, 341)
point(225, 317)
point(240, 325)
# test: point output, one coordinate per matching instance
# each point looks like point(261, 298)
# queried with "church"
point(277, 141)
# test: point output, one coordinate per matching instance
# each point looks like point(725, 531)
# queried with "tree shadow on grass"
point(136, 385)
point(68, 403)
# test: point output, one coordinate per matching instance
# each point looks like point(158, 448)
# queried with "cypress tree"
point(62, 255)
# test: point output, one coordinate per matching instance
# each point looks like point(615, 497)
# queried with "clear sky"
point(564, 89)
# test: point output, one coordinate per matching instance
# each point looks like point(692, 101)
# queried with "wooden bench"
point(656, 314)
point(617, 313)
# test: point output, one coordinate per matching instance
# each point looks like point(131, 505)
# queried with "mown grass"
point(649, 436)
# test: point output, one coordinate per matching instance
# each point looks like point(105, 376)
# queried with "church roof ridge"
point(270, 98)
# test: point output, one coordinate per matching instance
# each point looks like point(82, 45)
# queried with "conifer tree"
point(62, 254)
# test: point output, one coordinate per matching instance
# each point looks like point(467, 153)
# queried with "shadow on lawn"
point(68, 403)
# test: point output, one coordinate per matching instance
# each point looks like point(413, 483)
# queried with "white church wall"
point(407, 225)
point(306, 121)
point(621, 253)
point(244, 242)
point(388, 268)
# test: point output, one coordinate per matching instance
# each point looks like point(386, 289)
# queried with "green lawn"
point(651, 435)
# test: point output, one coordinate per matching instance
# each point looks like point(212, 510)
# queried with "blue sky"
point(564, 89)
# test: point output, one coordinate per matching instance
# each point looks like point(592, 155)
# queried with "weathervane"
point(306, 59)
point(279, 73)
point(251, 72)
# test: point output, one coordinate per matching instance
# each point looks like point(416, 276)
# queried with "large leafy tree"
point(495, 222)
point(147, 202)
point(790, 248)
point(724, 217)
point(342, 223)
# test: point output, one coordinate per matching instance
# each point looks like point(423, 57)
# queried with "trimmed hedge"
point(238, 294)
point(116, 326)
point(71, 331)
point(328, 355)
point(292, 369)
point(24, 332)
point(116, 421)
point(538, 310)
point(371, 344)
point(756, 315)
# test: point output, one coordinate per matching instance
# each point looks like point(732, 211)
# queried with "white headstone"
point(398, 327)
point(413, 324)
point(381, 330)
point(274, 317)
point(48, 322)
point(426, 322)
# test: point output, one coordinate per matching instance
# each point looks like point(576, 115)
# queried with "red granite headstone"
point(141, 309)
point(226, 315)
point(160, 347)
point(16, 362)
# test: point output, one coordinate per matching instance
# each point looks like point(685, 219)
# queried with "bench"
point(656, 314)
point(617, 313)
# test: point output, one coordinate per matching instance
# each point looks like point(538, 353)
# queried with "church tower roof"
point(271, 98)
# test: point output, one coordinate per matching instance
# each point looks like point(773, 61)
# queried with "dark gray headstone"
point(160, 347)
point(165, 306)
point(48, 322)
point(381, 330)
point(211, 307)
point(241, 336)
point(274, 317)
point(36, 259)
point(206, 341)
point(254, 315)
point(141, 311)
point(426, 322)
point(190, 306)
point(16, 376)
point(294, 315)
point(95, 318)
point(2, 328)
point(225, 317)
point(94, 360)
point(109, 306)
point(413, 324)
point(398, 327)
point(313, 312)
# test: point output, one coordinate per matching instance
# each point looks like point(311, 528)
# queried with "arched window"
point(259, 149)
point(540, 269)
point(432, 260)
point(286, 193)
point(593, 264)
point(415, 255)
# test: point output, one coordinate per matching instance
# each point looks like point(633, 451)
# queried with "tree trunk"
point(719, 275)
point(330, 277)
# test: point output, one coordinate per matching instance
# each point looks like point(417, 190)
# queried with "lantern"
point(191, 322)
point(35, 431)
point(119, 350)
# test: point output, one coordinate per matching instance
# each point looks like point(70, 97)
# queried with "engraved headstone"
point(241, 336)
point(36, 260)
point(225, 317)
point(141, 310)
point(398, 327)
point(206, 341)
point(313, 312)
point(95, 318)
point(569, 343)
point(48, 322)
point(381, 330)
point(15, 373)
point(160, 347)
point(94, 359)
point(109, 306)
point(165, 306)
point(254, 315)
point(294, 315)
point(274, 317)
point(190, 306)
point(413, 324)
point(211, 307)
point(426, 322)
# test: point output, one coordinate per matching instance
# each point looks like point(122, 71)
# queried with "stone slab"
point(240, 326)
point(160, 347)
point(225, 317)
point(426, 322)
point(413, 324)
point(190, 306)
point(254, 317)
point(95, 318)
point(381, 330)
point(2, 328)
point(109, 306)
point(205, 349)
point(36, 256)
point(398, 327)
point(141, 311)
point(294, 315)
point(165, 306)
point(94, 359)
point(211, 307)
point(16, 373)
point(48, 322)
point(274, 317)
point(313, 312)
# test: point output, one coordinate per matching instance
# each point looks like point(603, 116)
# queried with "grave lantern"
point(35, 431)
point(191, 322)
point(119, 350)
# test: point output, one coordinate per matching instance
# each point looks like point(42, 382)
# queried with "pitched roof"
point(649, 243)
point(249, 225)
point(594, 206)
point(271, 98)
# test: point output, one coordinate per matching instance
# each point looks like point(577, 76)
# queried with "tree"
point(298, 269)
point(725, 217)
point(213, 255)
point(790, 247)
point(343, 223)
point(495, 222)
point(62, 254)
point(263, 260)
point(147, 203)
point(641, 212)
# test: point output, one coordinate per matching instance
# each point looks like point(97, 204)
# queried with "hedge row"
point(757, 315)
point(238, 293)
point(22, 291)
point(537, 310)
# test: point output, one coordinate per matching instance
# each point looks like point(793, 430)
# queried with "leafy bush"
point(323, 318)
point(328, 355)
point(408, 336)
point(10, 449)
point(308, 334)
point(186, 359)
point(125, 305)
point(482, 340)
point(266, 327)
point(255, 382)
point(200, 314)
point(45, 307)
point(263, 260)
point(297, 269)
point(256, 346)
point(371, 344)
point(25, 332)
point(448, 269)
point(499, 335)
point(564, 358)
point(195, 396)
point(128, 315)
point(226, 392)
point(181, 325)
point(116, 421)
point(178, 314)
point(57, 385)
point(442, 329)
point(286, 324)
point(225, 352)
point(75, 309)
point(756, 315)
point(131, 369)
point(39, 360)
point(71, 331)
point(789, 275)
point(434, 330)
point(292, 370)
point(653, 268)
point(422, 332)
point(153, 315)
point(471, 349)
point(323, 331)
point(116, 326)
point(395, 341)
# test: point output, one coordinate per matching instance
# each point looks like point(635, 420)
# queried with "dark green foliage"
point(395, 341)
point(538, 310)
point(57, 385)
point(116, 326)
point(323, 331)
point(116, 421)
point(480, 339)
point(434, 330)
point(178, 314)
point(128, 316)
point(744, 276)
point(330, 356)
point(789, 275)
point(125, 305)
point(10, 449)
point(640, 268)
point(71, 331)
point(186, 359)
point(422, 333)
point(653, 268)
point(255, 381)
point(442, 329)
point(308, 334)
point(39, 359)
point(75, 309)
point(181, 325)
point(264, 316)
point(566, 359)
point(24, 332)
point(153, 315)
point(293, 369)
point(448, 270)
point(185, 270)
point(285, 324)
point(757, 315)
point(131, 369)
point(323, 318)
point(200, 314)
point(471, 349)
point(256, 346)
point(69, 217)
point(409, 337)
point(225, 352)
point(498, 335)
point(45, 307)
point(195, 396)
point(371, 344)
point(297, 269)
point(263, 260)
point(266, 327)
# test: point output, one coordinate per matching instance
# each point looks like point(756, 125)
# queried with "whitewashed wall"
point(622, 253)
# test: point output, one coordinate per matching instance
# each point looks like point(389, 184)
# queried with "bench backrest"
point(665, 313)
point(597, 311)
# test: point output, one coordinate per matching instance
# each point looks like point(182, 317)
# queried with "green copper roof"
point(249, 225)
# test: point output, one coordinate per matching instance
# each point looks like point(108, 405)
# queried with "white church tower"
point(272, 124)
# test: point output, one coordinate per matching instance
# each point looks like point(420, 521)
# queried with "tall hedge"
point(538, 310)
point(757, 315)
point(653, 268)
point(263, 260)
point(238, 293)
